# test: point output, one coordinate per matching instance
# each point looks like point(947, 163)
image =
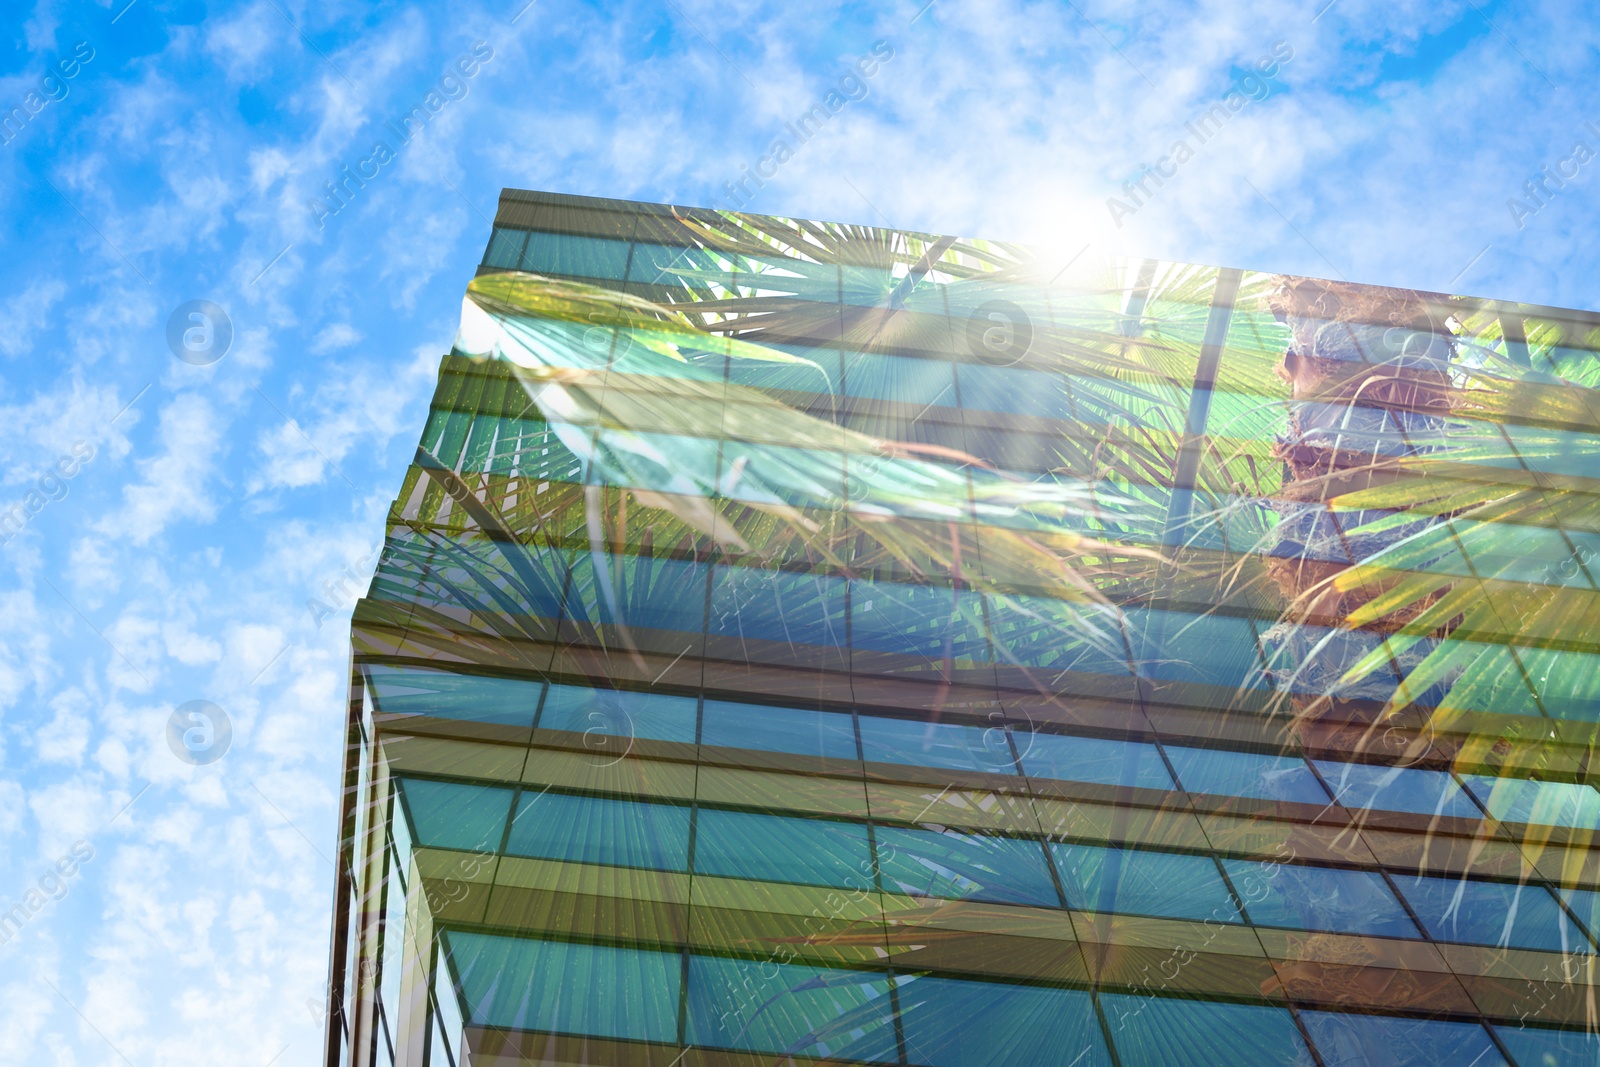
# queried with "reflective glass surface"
point(773, 729)
point(455, 814)
point(1096, 760)
point(559, 826)
point(1492, 913)
point(1246, 774)
point(1354, 1040)
point(1138, 882)
point(772, 848)
point(1318, 898)
point(964, 866)
point(955, 746)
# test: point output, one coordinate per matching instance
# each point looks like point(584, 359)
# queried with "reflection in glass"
point(954, 746)
point(1165, 884)
point(1491, 913)
point(992, 1024)
point(772, 729)
point(1246, 774)
point(930, 863)
point(1318, 898)
point(1358, 1040)
point(621, 833)
point(774, 848)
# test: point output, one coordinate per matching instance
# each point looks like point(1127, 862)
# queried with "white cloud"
point(27, 314)
point(355, 406)
point(173, 485)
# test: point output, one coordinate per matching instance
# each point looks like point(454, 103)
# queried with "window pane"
point(1002, 870)
point(936, 744)
point(909, 381)
point(1012, 389)
point(1246, 774)
point(1194, 1033)
point(1491, 913)
point(623, 833)
point(1363, 785)
point(1585, 904)
point(1166, 884)
point(1096, 760)
point(505, 248)
point(788, 1009)
point(762, 605)
point(619, 713)
point(518, 984)
point(1208, 649)
point(777, 474)
point(773, 848)
point(585, 257)
point(660, 265)
point(1318, 898)
point(771, 729)
point(644, 591)
point(1545, 803)
point(508, 701)
point(917, 620)
point(1538, 1047)
point(456, 815)
point(991, 1024)
point(1358, 1040)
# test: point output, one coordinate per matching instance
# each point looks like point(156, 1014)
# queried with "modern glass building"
point(800, 642)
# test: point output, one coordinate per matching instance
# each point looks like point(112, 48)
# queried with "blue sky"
point(187, 513)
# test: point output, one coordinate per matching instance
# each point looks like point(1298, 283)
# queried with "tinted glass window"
point(660, 265)
point(517, 984)
point(619, 713)
point(1585, 904)
point(1358, 1040)
point(1246, 774)
point(622, 833)
point(1362, 785)
point(1093, 759)
point(585, 257)
point(1318, 898)
point(793, 609)
point(1013, 389)
point(1166, 884)
point(992, 1024)
point(772, 848)
point(644, 592)
point(456, 815)
point(910, 381)
point(789, 1009)
point(505, 248)
point(771, 729)
point(936, 744)
point(1534, 1046)
point(1491, 913)
point(925, 621)
point(1196, 1033)
point(507, 701)
point(1001, 870)
point(1545, 803)
point(1207, 649)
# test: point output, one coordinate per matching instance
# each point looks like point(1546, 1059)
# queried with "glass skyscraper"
point(805, 642)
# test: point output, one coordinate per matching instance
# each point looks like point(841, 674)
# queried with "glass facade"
point(805, 642)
